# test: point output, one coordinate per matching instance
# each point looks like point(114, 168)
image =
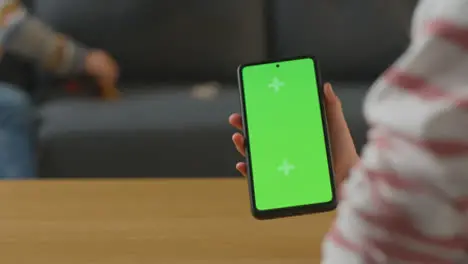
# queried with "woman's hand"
point(343, 150)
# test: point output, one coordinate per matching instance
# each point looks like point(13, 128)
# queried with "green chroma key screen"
point(288, 153)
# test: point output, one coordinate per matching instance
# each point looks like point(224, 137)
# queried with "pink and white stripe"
point(407, 200)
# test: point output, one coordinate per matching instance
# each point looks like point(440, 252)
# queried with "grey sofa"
point(178, 60)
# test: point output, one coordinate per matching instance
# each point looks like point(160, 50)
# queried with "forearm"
point(26, 36)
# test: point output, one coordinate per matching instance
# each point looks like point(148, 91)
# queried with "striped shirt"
point(407, 200)
point(25, 35)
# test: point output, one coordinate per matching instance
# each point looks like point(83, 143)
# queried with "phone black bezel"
point(296, 210)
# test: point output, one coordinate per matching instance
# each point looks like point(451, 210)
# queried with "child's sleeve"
point(23, 34)
point(407, 201)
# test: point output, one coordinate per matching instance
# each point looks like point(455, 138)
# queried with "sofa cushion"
point(147, 134)
point(354, 40)
point(154, 133)
point(165, 40)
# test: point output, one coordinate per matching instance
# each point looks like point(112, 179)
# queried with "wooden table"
point(147, 221)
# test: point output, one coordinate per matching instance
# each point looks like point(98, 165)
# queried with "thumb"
point(330, 97)
point(333, 107)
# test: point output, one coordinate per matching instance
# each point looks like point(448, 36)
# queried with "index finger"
point(236, 121)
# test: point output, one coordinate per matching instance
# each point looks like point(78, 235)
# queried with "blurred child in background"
point(25, 35)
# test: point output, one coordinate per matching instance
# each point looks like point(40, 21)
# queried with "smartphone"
point(288, 157)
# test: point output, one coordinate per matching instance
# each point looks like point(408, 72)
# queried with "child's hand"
point(103, 67)
point(343, 150)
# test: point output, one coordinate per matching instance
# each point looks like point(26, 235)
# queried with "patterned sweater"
point(25, 35)
point(407, 201)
